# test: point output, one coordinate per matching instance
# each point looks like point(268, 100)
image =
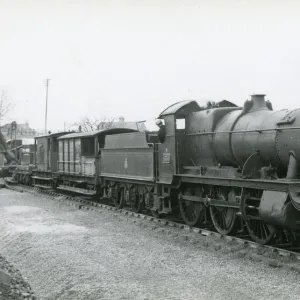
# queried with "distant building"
point(121, 123)
point(22, 131)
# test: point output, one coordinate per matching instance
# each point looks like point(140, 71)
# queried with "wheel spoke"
point(257, 228)
point(191, 212)
point(224, 218)
point(137, 201)
point(119, 198)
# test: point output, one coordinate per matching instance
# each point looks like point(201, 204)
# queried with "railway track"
point(285, 256)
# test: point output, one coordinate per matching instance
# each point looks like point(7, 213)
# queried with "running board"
point(76, 190)
point(45, 187)
point(41, 178)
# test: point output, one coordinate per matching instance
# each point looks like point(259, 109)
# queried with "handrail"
point(129, 147)
point(69, 161)
point(243, 131)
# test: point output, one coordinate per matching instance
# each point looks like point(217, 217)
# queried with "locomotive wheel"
point(191, 212)
point(119, 198)
point(259, 231)
point(224, 218)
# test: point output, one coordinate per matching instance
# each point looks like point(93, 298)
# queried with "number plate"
point(166, 158)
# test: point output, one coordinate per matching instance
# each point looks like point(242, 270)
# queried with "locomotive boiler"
point(230, 136)
point(257, 128)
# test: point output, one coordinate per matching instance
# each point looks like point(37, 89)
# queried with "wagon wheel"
point(259, 231)
point(54, 183)
point(119, 198)
point(155, 214)
point(224, 218)
point(29, 181)
point(149, 201)
point(192, 212)
point(109, 193)
point(137, 203)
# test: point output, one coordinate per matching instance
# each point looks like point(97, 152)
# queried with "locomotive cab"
point(171, 152)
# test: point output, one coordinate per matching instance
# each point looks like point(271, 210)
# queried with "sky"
point(135, 58)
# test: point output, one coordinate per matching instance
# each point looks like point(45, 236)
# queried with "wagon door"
point(48, 153)
point(77, 149)
point(66, 155)
point(60, 156)
point(71, 156)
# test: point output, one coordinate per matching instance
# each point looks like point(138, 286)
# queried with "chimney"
point(258, 101)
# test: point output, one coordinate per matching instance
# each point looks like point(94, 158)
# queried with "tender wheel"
point(224, 218)
point(192, 212)
point(138, 202)
point(119, 198)
point(155, 214)
point(259, 231)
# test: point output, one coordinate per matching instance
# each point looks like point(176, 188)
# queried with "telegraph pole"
point(47, 85)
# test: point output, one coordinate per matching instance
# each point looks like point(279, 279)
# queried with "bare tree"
point(108, 123)
point(91, 124)
point(5, 105)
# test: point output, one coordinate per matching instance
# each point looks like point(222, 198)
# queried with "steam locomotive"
point(228, 166)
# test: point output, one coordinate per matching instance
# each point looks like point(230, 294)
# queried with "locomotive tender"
point(230, 166)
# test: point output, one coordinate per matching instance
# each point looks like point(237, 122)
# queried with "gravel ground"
point(12, 284)
point(67, 253)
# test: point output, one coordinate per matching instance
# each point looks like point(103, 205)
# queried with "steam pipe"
point(292, 167)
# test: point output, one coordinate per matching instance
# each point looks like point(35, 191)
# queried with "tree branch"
point(5, 105)
point(92, 124)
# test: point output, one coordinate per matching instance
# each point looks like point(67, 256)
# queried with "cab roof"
point(183, 108)
point(53, 134)
point(95, 133)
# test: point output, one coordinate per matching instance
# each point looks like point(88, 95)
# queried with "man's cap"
point(158, 122)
